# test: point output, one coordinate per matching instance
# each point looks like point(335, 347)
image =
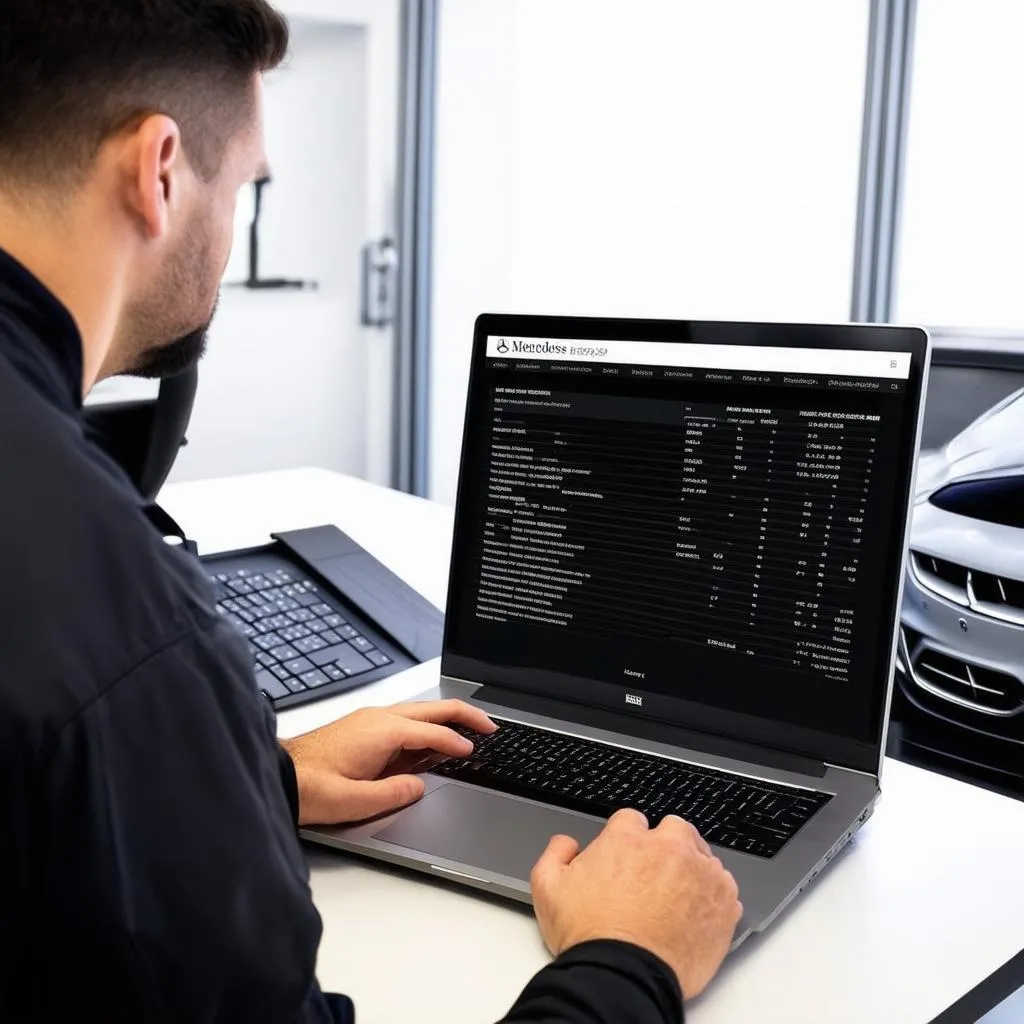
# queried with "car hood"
point(993, 444)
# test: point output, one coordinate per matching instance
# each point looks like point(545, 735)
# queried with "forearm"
point(601, 983)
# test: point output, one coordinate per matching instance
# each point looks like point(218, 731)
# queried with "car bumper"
point(959, 666)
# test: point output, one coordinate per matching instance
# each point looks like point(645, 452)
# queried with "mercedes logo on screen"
point(502, 346)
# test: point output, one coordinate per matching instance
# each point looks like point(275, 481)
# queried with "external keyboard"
point(728, 810)
point(299, 637)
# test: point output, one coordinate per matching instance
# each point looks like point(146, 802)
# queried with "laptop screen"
point(701, 523)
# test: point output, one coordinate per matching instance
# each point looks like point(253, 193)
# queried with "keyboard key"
point(295, 684)
point(333, 673)
point(240, 587)
point(266, 659)
point(281, 672)
point(300, 615)
point(348, 659)
point(314, 679)
point(271, 686)
point(335, 621)
point(317, 626)
point(294, 632)
point(379, 658)
point(285, 652)
point(348, 632)
point(360, 643)
point(267, 642)
point(299, 665)
point(321, 609)
point(331, 637)
point(305, 599)
point(309, 644)
point(279, 621)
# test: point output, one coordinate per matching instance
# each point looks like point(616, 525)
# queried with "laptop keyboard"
point(728, 810)
point(299, 639)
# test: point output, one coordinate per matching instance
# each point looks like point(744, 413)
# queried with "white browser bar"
point(753, 358)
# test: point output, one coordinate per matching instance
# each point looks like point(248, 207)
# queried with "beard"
point(165, 333)
point(173, 358)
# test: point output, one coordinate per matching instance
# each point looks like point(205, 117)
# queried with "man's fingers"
point(441, 712)
point(628, 820)
point(357, 801)
point(411, 735)
point(560, 852)
point(677, 826)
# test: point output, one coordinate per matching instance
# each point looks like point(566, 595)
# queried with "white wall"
point(962, 260)
point(654, 158)
point(284, 379)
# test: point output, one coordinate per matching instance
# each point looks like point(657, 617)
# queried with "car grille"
point(962, 682)
point(997, 597)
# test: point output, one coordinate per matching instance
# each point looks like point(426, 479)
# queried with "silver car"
point(961, 656)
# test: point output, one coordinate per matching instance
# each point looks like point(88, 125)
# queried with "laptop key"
point(348, 659)
point(299, 665)
point(308, 644)
point(379, 658)
point(271, 685)
point(314, 678)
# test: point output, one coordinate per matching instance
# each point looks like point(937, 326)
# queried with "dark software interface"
point(705, 522)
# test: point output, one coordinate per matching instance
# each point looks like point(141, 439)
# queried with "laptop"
point(675, 585)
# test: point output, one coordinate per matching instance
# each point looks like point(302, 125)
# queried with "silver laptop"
point(675, 584)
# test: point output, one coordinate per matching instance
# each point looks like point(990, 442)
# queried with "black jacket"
point(149, 864)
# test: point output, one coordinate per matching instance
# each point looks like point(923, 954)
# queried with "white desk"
point(927, 902)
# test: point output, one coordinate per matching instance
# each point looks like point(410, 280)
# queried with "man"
point(149, 864)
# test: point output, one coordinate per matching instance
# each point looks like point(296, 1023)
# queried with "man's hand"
point(361, 765)
point(661, 889)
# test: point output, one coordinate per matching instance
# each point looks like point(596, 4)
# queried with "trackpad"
point(484, 830)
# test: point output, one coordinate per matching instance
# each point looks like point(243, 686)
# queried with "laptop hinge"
point(649, 729)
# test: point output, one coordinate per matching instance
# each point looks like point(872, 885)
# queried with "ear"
point(156, 170)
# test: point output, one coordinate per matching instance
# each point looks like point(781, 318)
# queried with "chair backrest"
point(144, 438)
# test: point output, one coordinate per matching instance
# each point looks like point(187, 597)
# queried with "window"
point(962, 243)
point(662, 158)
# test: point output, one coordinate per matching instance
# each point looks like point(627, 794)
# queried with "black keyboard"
point(299, 637)
point(581, 775)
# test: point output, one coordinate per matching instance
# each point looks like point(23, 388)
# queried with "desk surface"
point(927, 901)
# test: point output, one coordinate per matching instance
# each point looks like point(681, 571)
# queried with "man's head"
point(146, 113)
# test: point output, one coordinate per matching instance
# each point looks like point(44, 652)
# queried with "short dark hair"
point(74, 72)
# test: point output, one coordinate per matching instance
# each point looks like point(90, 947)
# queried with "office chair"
point(144, 438)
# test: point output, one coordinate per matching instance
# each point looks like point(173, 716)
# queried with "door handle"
point(380, 283)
